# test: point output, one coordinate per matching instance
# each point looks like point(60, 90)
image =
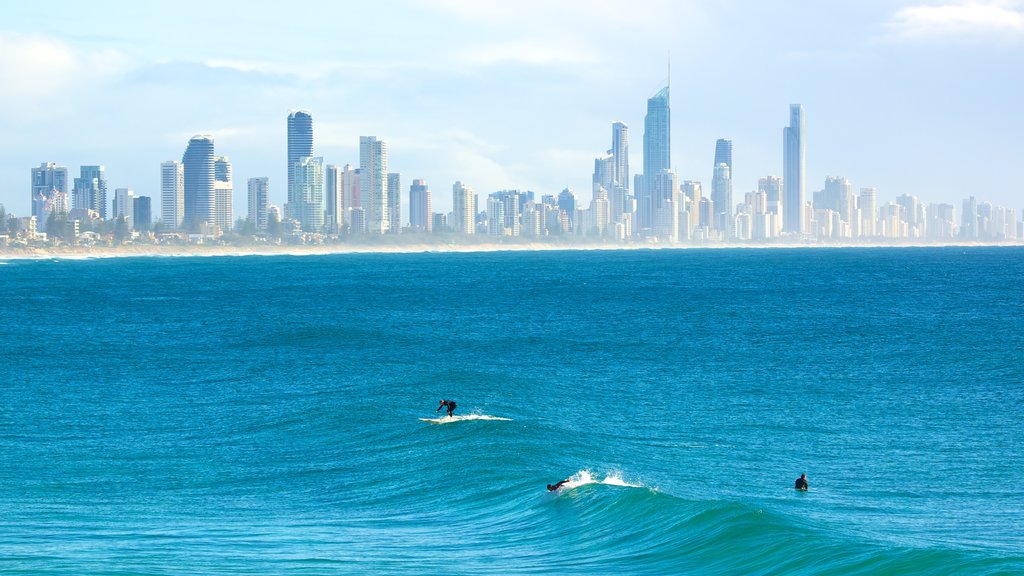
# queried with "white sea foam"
point(463, 418)
point(585, 477)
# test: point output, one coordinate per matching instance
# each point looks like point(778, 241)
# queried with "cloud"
point(41, 75)
point(961, 19)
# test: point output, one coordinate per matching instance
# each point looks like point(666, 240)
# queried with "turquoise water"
point(261, 415)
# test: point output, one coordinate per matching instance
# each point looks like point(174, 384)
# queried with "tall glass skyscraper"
point(200, 198)
point(723, 153)
point(300, 145)
point(657, 153)
point(620, 155)
point(721, 195)
point(794, 155)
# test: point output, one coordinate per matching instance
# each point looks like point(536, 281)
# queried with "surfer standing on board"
point(449, 403)
point(801, 483)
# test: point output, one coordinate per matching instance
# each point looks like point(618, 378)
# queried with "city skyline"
point(879, 81)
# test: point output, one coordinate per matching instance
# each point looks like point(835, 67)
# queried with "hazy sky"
point(920, 97)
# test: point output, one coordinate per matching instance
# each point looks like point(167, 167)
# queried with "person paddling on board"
point(801, 483)
point(450, 404)
point(553, 487)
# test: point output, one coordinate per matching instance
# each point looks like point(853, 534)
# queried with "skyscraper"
point(309, 193)
point(373, 183)
point(567, 206)
point(794, 155)
point(349, 192)
point(394, 202)
point(420, 207)
point(49, 191)
point(224, 188)
point(200, 199)
point(300, 145)
point(124, 206)
point(867, 203)
point(142, 213)
point(172, 195)
point(721, 195)
point(772, 186)
point(463, 209)
point(657, 153)
point(723, 153)
point(334, 200)
point(665, 194)
point(259, 190)
point(620, 155)
point(90, 190)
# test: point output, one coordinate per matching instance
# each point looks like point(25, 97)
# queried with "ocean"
point(263, 414)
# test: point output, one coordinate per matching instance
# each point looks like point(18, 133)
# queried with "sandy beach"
point(150, 250)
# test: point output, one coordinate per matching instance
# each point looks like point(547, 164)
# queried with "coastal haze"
point(910, 100)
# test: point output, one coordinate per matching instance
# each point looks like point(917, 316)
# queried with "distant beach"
point(143, 250)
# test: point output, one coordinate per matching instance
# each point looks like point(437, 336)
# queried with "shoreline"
point(142, 251)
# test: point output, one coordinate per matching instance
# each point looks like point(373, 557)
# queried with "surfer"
point(553, 487)
point(801, 482)
point(450, 404)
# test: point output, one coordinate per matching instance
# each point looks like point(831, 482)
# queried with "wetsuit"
point(449, 403)
point(801, 484)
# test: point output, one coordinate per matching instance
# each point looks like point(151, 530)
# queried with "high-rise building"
point(693, 191)
point(463, 209)
point(867, 203)
point(373, 183)
point(910, 210)
point(334, 200)
point(721, 195)
point(495, 216)
point(172, 195)
point(49, 183)
point(394, 202)
point(772, 186)
point(969, 219)
point(90, 190)
point(657, 153)
point(350, 192)
point(259, 195)
point(124, 206)
point(200, 197)
point(723, 152)
point(300, 145)
point(665, 193)
point(567, 205)
point(604, 169)
point(308, 189)
point(224, 188)
point(142, 213)
point(420, 207)
point(794, 154)
point(620, 155)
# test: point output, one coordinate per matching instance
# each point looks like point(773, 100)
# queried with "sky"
point(918, 97)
